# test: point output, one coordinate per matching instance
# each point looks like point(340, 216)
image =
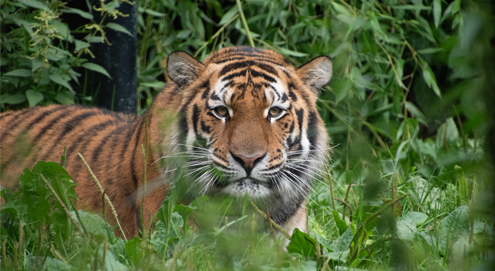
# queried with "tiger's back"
point(109, 142)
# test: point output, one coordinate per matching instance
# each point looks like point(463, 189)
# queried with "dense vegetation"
point(409, 185)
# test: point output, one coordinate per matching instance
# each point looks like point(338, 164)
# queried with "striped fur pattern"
point(245, 119)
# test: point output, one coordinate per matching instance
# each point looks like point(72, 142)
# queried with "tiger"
point(245, 119)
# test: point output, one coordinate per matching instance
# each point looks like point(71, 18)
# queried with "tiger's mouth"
point(240, 182)
point(240, 187)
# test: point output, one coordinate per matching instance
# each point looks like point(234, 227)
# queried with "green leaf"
point(453, 227)
point(412, 7)
point(63, 29)
point(184, 34)
point(292, 53)
point(430, 78)
point(430, 50)
point(341, 224)
point(65, 97)
point(301, 243)
point(95, 225)
point(156, 85)
point(154, 13)
point(55, 265)
point(81, 45)
point(56, 78)
point(339, 248)
point(111, 262)
point(118, 27)
point(417, 217)
point(59, 179)
point(462, 183)
point(84, 14)
point(416, 112)
point(437, 12)
point(35, 4)
point(447, 133)
point(134, 250)
point(228, 15)
point(12, 99)
point(159, 236)
point(406, 229)
point(34, 97)
point(19, 73)
point(183, 210)
point(343, 242)
point(96, 68)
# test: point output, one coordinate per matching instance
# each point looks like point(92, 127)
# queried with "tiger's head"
point(250, 122)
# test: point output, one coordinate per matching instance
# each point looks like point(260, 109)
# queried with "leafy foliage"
point(410, 184)
point(41, 57)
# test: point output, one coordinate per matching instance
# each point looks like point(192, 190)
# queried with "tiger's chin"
point(252, 187)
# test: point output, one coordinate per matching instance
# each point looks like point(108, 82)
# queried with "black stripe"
point(74, 122)
point(291, 129)
point(115, 140)
point(85, 136)
point(116, 133)
point(265, 76)
point(205, 93)
point(251, 55)
point(229, 59)
point(183, 128)
point(133, 165)
point(300, 118)
point(42, 116)
point(49, 125)
point(237, 74)
point(103, 142)
point(312, 129)
point(267, 68)
point(186, 104)
point(17, 119)
point(236, 65)
point(6, 114)
point(69, 126)
point(292, 95)
point(214, 96)
point(128, 138)
point(195, 118)
point(205, 128)
point(284, 97)
point(276, 62)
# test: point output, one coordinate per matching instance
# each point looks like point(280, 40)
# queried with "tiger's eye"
point(221, 110)
point(275, 111)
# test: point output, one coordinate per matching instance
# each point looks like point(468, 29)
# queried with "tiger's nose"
point(248, 162)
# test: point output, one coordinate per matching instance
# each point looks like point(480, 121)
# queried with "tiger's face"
point(250, 121)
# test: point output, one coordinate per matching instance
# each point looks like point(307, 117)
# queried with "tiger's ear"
point(183, 69)
point(316, 73)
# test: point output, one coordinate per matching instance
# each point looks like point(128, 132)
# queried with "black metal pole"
point(118, 93)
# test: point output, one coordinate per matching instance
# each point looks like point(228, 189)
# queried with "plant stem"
point(215, 35)
point(280, 229)
point(61, 202)
point(246, 27)
point(106, 197)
